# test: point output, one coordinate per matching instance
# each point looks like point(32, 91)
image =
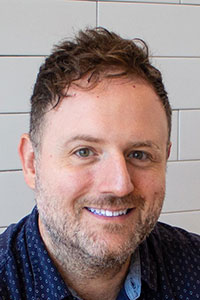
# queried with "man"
point(96, 158)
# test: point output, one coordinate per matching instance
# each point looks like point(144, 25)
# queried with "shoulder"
point(173, 254)
point(170, 260)
point(174, 244)
point(10, 241)
point(169, 234)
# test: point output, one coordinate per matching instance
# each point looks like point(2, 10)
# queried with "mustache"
point(110, 201)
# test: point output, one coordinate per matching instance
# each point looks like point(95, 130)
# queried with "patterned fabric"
point(169, 266)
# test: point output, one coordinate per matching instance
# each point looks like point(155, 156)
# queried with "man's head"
point(94, 54)
point(99, 177)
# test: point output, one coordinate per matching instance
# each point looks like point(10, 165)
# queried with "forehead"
point(113, 108)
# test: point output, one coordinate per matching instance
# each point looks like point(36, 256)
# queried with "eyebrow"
point(146, 144)
point(91, 139)
point(86, 138)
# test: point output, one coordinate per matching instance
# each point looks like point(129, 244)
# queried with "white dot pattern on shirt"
point(180, 254)
point(24, 269)
point(170, 261)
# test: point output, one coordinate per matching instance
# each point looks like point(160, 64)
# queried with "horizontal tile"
point(189, 135)
point(17, 77)
point(16, 198)
point(187, 220)
point(190, 2)
point(142, 1)
point(181, 77)
point(32, 27)
point(182, 186)
point(163, 27)
point(174, 136)
point(11, 128)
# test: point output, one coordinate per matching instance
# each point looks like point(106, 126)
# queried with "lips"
point(107, 213)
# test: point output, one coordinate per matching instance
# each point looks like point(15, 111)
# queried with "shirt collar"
point(143, 267)
point(132, 283)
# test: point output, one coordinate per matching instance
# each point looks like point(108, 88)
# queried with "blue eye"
point(84, 152)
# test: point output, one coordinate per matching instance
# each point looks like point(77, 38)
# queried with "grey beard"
point(73, 258)
point(82, 252)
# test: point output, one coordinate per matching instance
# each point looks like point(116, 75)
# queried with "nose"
point(115, 178)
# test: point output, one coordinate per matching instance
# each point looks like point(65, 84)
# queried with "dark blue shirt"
point(169, 258)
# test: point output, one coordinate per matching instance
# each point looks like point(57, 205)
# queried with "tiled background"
point(28, 29)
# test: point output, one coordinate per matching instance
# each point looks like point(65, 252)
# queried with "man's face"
point(100, 176)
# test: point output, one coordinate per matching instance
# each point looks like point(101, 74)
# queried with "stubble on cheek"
point(151, 214)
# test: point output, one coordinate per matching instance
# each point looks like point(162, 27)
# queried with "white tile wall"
point(182, 78)
point(27, 32)
point(174, 136)
point(142, 1)
point(32, 27)
point(17, 76)
point(189, 146)
point(190, 2)
point(187, 220)
point(163, 27)
point(17, 199)
point(183, 186)
point(11, 128)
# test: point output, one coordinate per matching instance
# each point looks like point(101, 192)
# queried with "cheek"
point(71, 184)
point(155, 194)
point(150, 184)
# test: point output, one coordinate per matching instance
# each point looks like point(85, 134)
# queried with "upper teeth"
point(107, 213)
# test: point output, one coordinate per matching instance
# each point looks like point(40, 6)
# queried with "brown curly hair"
point(93, 53)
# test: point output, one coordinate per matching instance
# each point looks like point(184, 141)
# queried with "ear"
point(27, 157)
point(169, 149)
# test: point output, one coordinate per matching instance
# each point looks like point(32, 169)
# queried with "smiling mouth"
point(108, 213)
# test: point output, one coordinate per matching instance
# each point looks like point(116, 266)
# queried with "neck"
point(89, 285)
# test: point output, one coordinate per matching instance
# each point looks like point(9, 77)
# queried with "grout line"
point(97, 13)
point(178, 136)
point(186, 109)
point(184, 160)
point(14, 113)
point(11, 170)
point(174, 56)
point(189, 109)
point(153, 3)
point(182, 211)
point(23, 55)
